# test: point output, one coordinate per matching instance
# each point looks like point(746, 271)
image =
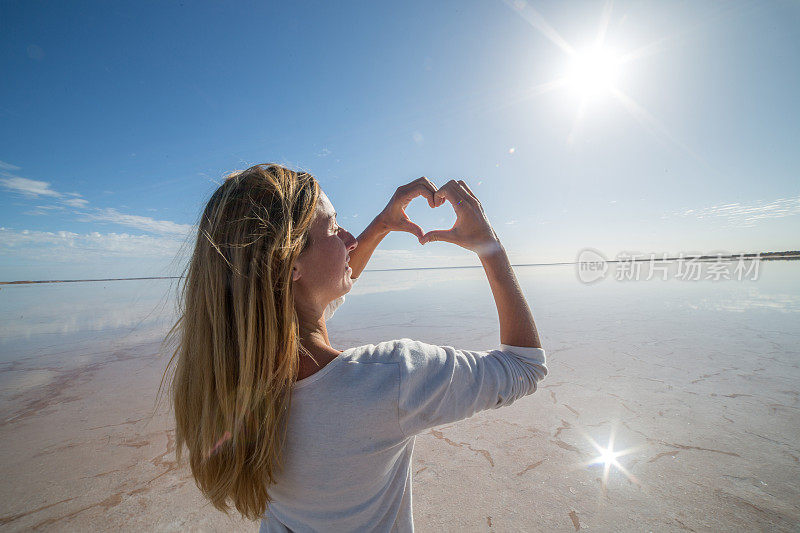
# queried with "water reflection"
point(33, 310)
point(46, 319)
point(751, 299)
point(436, 305)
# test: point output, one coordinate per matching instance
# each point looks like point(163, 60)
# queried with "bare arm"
point(516, 321)
point(473, 232)
point(369, 239)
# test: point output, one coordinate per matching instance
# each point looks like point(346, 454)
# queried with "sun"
point(594, 71)
point(597, 71)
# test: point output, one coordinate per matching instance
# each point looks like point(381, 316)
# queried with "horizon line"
point(761, 255)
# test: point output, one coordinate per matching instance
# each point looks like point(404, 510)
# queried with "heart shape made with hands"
point(456, 192)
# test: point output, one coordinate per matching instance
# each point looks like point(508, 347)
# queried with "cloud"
point(76, 202)
point(45, 210)
point(94, 254)
point(746, 215)
point(36, 189)
point(31, 188)
point(70, 247)
point(162, 227)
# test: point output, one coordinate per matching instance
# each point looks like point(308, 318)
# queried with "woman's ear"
point(295, 273)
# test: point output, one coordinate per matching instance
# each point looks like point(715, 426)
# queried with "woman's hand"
point(394, 218)
point(472, 229)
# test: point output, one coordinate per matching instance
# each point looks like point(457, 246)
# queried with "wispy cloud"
point(746, 215)
point(8, 166)
point(24, 186)
point(159, 250)
point(76, 202)
point(36, 189)
point(45, 209)
point(161, 227)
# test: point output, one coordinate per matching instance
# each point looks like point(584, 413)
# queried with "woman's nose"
point(349, 241)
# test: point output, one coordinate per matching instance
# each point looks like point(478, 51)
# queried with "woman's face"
point(321, 273)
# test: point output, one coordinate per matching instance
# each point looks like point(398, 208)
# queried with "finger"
point(452, 192)
point(445, 235)
point(410, 227)
point(428, 184)
point(469, 191)
point(417, 188)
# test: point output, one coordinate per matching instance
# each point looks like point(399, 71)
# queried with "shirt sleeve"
point(440, 384)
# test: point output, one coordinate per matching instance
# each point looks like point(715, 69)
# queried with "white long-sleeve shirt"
point(352, 426)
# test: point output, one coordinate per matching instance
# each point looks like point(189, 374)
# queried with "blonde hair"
point(236, 344)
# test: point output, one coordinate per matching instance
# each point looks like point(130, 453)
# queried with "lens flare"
point(608, 458)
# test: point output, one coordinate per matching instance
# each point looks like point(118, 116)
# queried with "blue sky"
point(119, 119)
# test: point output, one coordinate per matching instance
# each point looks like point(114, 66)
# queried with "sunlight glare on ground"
point(608, 457)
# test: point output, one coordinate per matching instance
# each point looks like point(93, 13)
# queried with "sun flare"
point(607, 457)
point(597, 72)
point(594, 71)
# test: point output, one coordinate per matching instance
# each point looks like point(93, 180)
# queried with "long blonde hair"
point(236, 344)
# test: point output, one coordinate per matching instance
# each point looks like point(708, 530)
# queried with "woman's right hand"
point(472, 229)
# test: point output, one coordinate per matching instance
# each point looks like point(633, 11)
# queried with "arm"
point(516, 321)
point(440, 384)
point(369, 239)
point(392, 218)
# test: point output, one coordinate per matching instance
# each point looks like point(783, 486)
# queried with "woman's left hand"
point(394, 218)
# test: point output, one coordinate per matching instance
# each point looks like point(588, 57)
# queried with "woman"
point(276, 420)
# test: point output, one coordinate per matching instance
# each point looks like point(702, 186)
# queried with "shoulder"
point(394, 351)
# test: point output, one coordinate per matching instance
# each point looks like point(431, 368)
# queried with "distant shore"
point(764, 256)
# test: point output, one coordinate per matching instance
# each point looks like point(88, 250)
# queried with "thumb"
point(410, 227)
point(445, 235)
